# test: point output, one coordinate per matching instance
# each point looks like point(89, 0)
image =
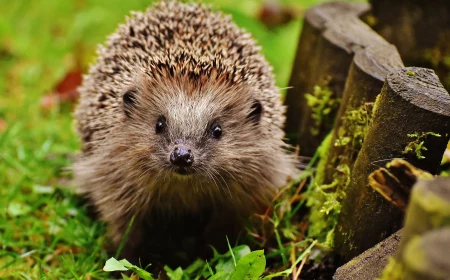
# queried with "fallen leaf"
point(65, 91)
point(3, 125)
point(114, 265)
point(67, 88)
point(17, 209)
point(274, 14)
point(395, 181)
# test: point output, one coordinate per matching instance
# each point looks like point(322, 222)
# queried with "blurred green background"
point(44, 229)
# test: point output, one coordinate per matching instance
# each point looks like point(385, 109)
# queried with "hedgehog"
point(182, 132)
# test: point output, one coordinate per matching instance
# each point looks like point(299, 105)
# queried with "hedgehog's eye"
point(129, 101)
point(256, 112)
point(160, 124)
point(216, 131)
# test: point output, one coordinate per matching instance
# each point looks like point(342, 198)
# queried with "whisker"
point(226, 184)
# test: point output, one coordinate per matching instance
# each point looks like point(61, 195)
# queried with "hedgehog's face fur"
point(201, 133)
point(190, 129)
point(180, 111)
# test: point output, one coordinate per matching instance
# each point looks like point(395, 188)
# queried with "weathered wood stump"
point(420, 30)
point(331, 33)
point(428, 209)
point(411, 120)
point(369, 68)
point(423, 252)
point(424, 249)
point(371, 263)
point(428, 256)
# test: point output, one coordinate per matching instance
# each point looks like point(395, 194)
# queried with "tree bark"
point(411, 113)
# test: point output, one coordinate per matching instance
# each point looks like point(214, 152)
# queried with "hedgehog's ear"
point(256, 110)
point(129, 101)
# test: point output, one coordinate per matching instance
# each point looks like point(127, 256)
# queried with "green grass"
point(45, 232)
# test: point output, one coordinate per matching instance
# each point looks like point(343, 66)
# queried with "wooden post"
point(411, 120)
point(366, 77)
point(428, 256)
point(370, 264)
point(369, 68)
point(423, 252)
point(420, 29)
point(424, 249)
point(429, 208)
point(323, 58)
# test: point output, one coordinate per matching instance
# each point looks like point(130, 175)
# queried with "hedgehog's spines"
point(196, 67)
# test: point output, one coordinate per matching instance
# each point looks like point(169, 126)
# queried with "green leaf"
point(142, 273)
point(176, 274)
point(222, 275)
point(43, 189)
point(196, 266)
point(139, 271)
point(123, 265)
point(18, 209)
point(251, 266)
point(226, 263)
point(114, 265)
point(126, 263)
point(241, 251)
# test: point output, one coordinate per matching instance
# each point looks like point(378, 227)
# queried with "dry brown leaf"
point(395, 181)
point(3, 125)
point(65, 91)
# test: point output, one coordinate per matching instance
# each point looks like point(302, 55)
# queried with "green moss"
point(410, 73)
point(432, 203)
point(417, 146)
point(323, 152)
point(370, 20)
point(376, 104)
point(438, 58)
point(393, 271)
point(322, 103)
point(445, 163)
point(414, 257)
point(354, 127)
point(324, 199)
point(446, 61)
point(318, 220)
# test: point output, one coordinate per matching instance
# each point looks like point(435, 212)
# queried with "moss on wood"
point(417, 146)
point(407, 105)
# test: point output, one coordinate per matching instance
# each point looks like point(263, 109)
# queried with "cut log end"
point(378, 60)
point(319, 15)
point(422, 88)
point(369, 264)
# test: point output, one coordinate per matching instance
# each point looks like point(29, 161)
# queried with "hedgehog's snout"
point(182, 156)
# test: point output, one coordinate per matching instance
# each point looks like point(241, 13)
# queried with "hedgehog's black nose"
point(182, 157)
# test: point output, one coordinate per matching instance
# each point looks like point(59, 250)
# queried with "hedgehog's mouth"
point(184, 171)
